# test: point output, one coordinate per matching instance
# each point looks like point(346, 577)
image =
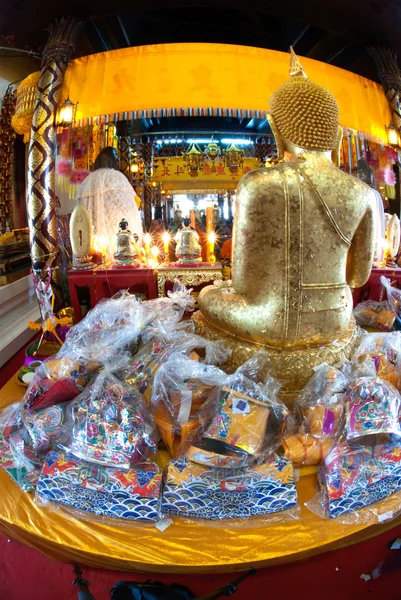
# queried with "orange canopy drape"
point(211, 76)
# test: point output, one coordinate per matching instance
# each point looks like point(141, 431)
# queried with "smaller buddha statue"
point(81, 238)
point(127, 245)
point(216, 216)
point(177, 218)
point(188, 249)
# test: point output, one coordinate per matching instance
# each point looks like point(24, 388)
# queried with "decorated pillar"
point(220, 203)
point(147, 157)
point(7, 138)
point(147, 205)
point(390, 78)
point(170, 208)
point(41, 158)
point(230, 204)
point(124, 146)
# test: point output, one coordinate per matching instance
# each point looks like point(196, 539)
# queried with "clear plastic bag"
point(305, 449)
point(161, 346)
point(249, 420)
point(372, 406)
point(252, 496)
point(46, 427)
point(360, 483)
point(110, 424)
point(23, 472)
point(58, 380)
point(110, 328)
point(378, 354)
point(182, 388)
point(320, 405)
point(393, 295)
point(374, 314)
point(166, 312)
point(92, 492)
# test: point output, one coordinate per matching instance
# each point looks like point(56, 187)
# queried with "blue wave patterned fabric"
point(351, 478)
point(101, 491)
point(195, 491)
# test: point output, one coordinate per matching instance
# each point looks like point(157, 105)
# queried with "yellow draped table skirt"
point(180, 548)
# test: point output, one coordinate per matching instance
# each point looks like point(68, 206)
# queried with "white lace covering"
point(109, 197)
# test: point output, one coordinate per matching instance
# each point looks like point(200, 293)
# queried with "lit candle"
point(211, 238)
point(166, 242)
point(152, 261)
point(147, 238)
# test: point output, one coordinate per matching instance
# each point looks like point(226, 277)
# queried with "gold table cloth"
point(184, 548)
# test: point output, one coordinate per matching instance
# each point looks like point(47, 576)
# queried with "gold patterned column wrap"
point(41, 158)
point(390, 78)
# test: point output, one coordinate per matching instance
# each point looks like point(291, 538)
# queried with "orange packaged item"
point(304, 449)
point(182, 388)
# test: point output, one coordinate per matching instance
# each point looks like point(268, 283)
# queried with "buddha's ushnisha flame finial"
point(296, 69)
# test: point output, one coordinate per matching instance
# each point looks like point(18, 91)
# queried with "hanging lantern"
point(212, 151)
point(66, 113)
point(233, 158)
point(194, 160)
point(393, 137)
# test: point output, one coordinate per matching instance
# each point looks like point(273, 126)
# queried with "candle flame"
point(147, 238)
point(166, 237)
point(211, 238)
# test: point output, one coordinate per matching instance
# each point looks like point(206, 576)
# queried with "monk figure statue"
point(303, 235)
point(109, 196)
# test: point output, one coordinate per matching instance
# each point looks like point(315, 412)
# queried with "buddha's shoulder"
point(355, 187)
point(265, 175)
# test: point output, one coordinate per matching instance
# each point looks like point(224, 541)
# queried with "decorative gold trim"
point(189, 277)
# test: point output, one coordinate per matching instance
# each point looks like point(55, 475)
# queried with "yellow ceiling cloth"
point(210, 79)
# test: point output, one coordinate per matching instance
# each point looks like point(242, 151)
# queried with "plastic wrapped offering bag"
point(354, 476)
point(98, 491)
point(249, 418)
point(111, 425)
point(168, 311)
point(112, 327)
point(195, 491)
point(58, 380)
point(25, 478)
point(321, 402)
point(393, 295)
point(379, 354)
point(372, 407)
point(46, 427)
point(304, 449)
point(374, 314)
point(157, 351)
point(21, 471)
point(181, 389)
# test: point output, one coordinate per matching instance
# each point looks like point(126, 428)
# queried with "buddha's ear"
point(335, 154)
point(277, 136)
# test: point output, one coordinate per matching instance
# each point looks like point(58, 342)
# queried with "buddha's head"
point(304, 116)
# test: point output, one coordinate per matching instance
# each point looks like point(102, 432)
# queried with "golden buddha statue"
point(303, 235)
point(188, 249)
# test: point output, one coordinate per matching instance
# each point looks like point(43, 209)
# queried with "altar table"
point(184, 548)
point(104, 283)
point(192, 276)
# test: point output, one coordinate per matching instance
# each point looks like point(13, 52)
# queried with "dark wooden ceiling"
point(335, 31)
